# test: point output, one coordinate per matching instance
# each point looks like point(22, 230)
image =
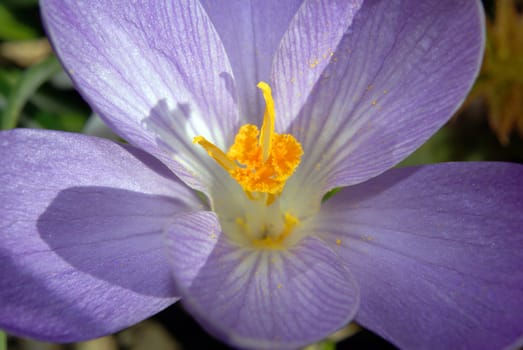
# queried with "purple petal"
point(251, 32)
point(81, 218)
point(306, 50)
point(155, 71)
point(272, 299)
point(399, 73)
point(437, 252)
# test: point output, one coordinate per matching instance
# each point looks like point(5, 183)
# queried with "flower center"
point(271, 241)
point(261, 161)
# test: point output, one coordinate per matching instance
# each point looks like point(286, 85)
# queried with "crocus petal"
point(437, 252)
point(399, 73)
point(250, 32)
point(155, 71)
point(259, 298)
point(81, 223)
point(306, 50)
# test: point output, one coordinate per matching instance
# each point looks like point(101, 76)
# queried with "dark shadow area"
point(186, 330)
point(365, 340)
point(469, 137)
point(112, 234)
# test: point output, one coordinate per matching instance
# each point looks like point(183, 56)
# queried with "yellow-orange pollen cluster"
point(259, 160)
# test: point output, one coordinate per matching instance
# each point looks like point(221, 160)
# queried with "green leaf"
point(12, 29)
point(3, 341)
point(8, 78)
point(26, 85)
point(68, 121)
point(322, 345)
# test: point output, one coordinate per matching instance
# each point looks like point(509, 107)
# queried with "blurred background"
point(36, 93)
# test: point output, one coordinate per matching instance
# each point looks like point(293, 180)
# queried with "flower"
point(98, 235)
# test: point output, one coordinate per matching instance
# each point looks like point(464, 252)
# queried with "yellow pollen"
point(260, 161)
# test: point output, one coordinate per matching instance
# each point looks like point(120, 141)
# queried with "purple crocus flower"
point(97, 236)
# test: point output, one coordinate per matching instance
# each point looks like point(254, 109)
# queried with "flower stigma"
point(261, 161)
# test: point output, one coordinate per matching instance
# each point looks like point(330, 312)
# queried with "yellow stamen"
point(267, 129)
point(261, 161)
point(216, 153)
